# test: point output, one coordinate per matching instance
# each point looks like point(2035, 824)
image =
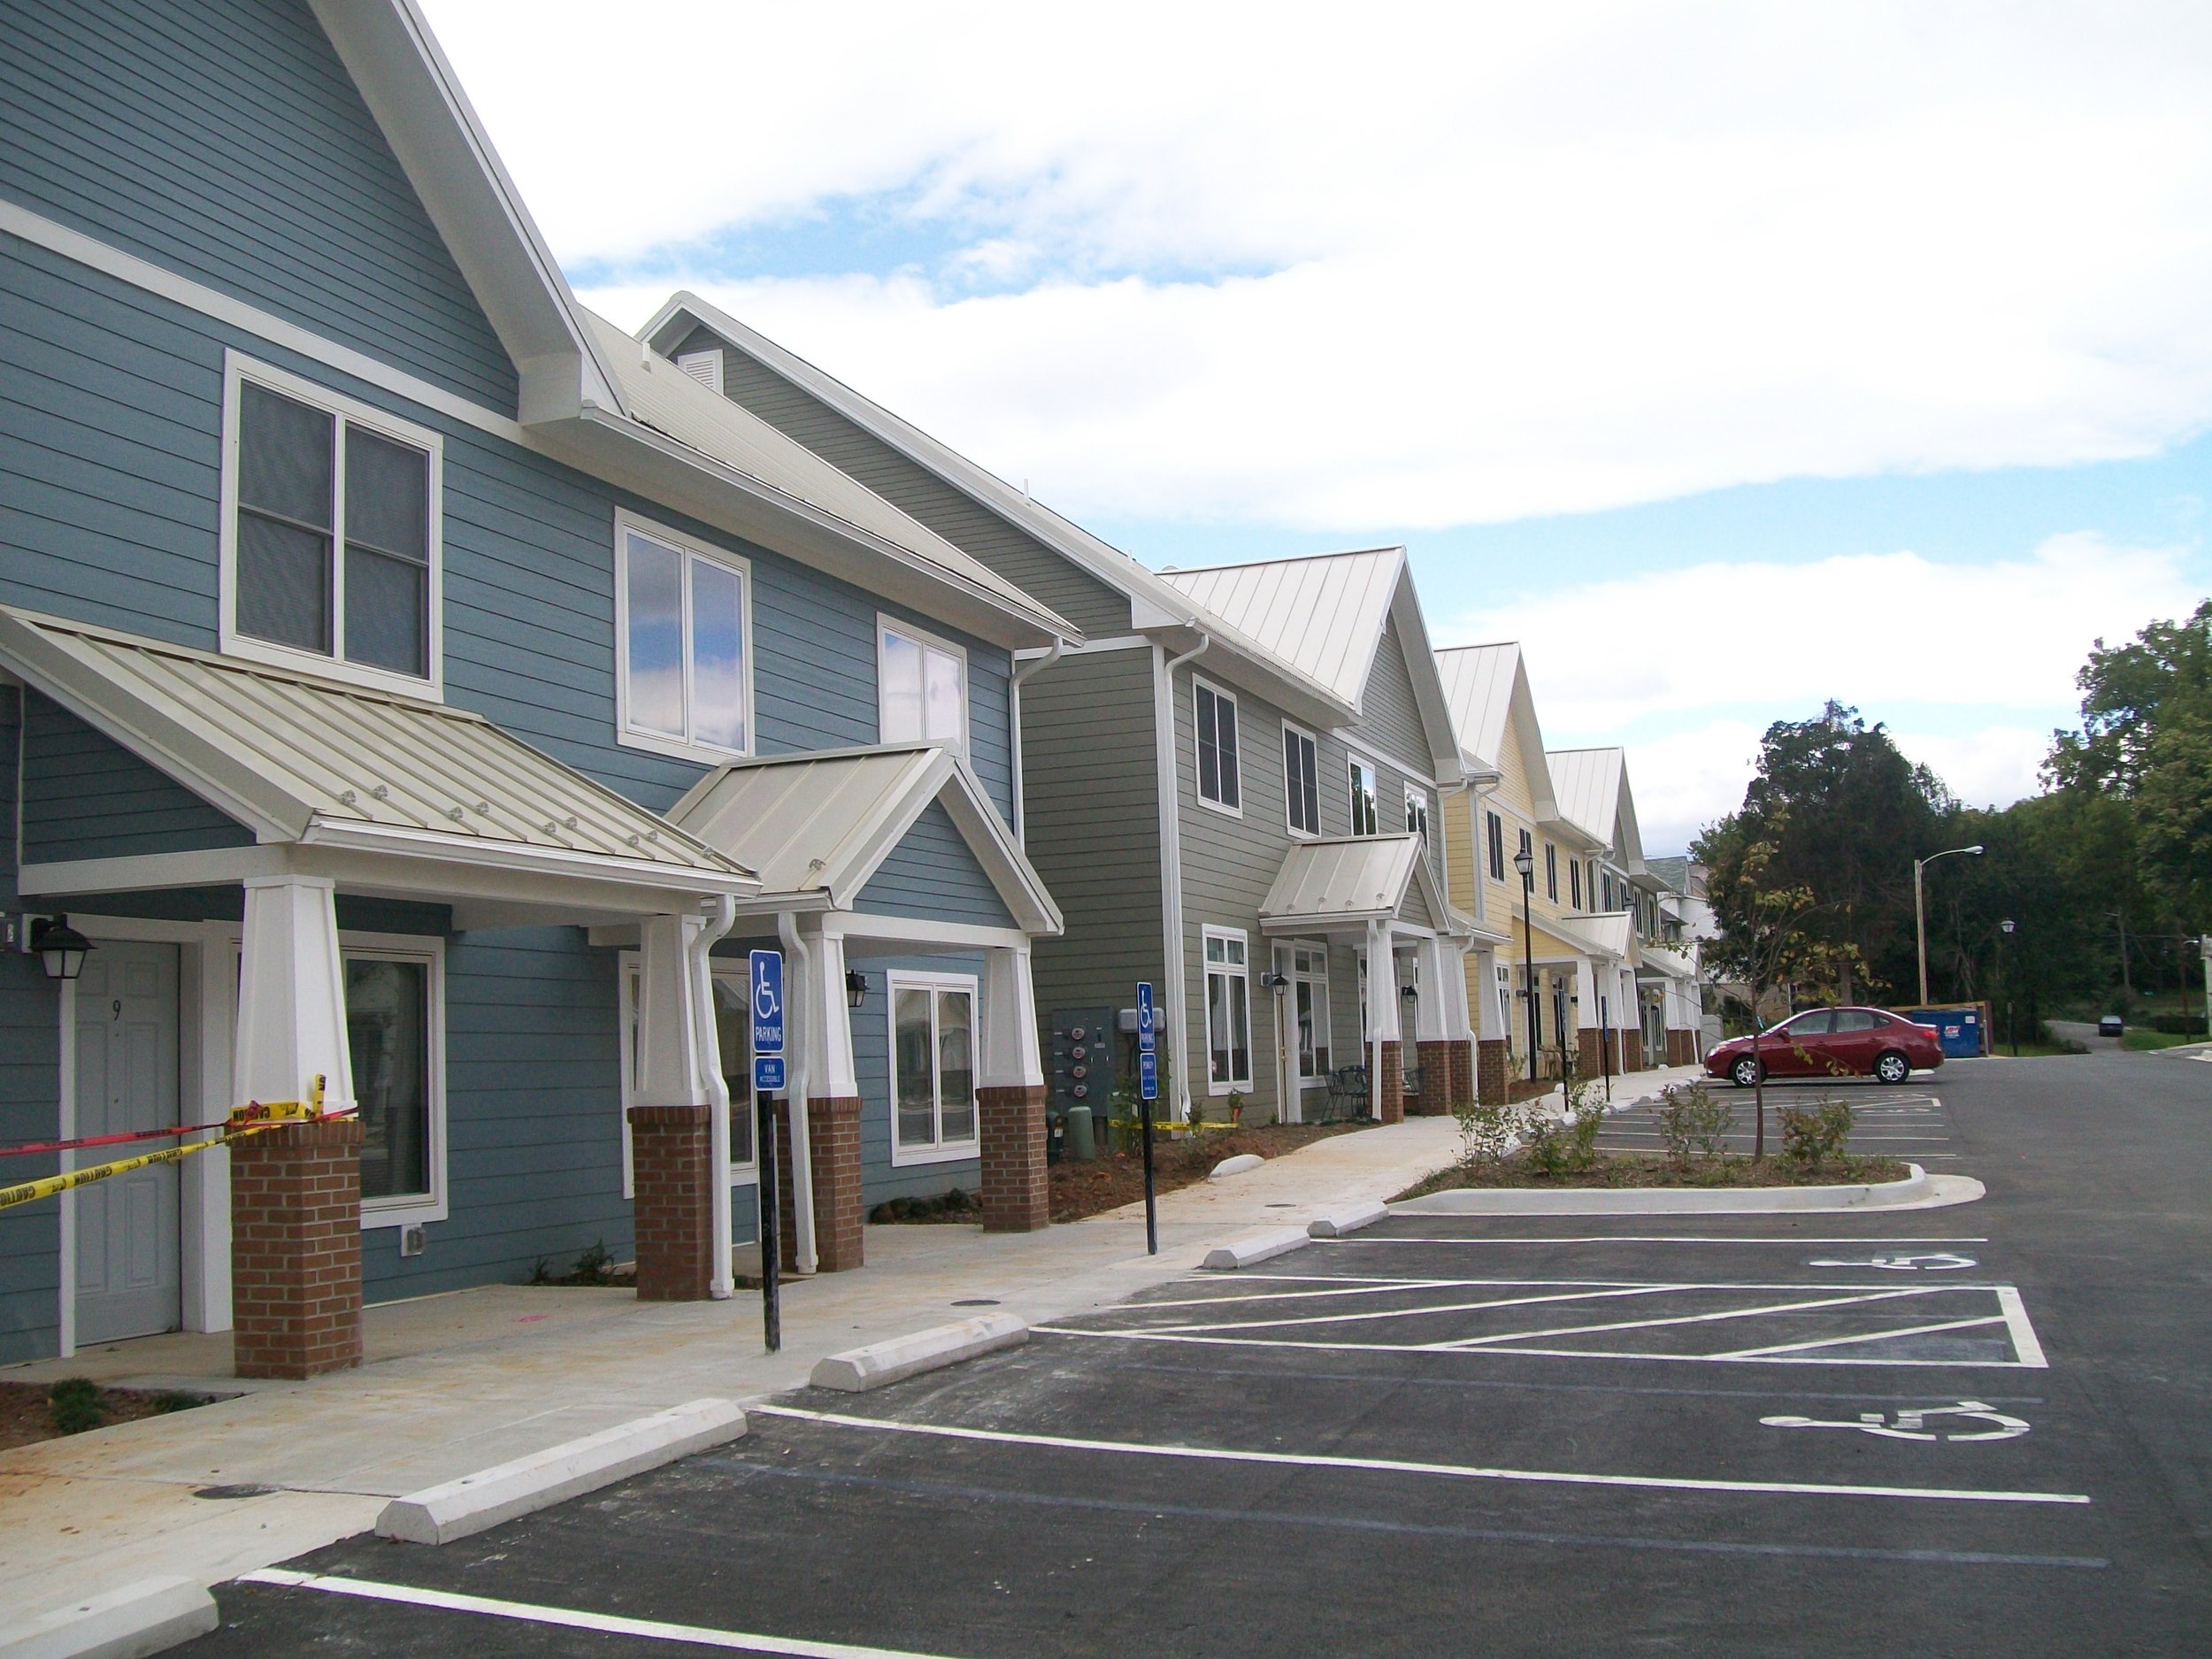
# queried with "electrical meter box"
point(1082, 1071)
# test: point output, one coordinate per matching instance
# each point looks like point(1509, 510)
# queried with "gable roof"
point(817, 825)
point(1486, 687)
point(1156, 607)
point(1326, 615)
point(1593, 795)
point(310, 761)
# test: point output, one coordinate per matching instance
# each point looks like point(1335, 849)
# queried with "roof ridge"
point(1286, 559)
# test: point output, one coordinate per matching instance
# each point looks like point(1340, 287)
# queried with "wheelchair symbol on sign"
point(1934, 1261)
point(766, 1009)
point(1913, 1424)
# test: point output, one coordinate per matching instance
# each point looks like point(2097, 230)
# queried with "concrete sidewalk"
point(458, 1382)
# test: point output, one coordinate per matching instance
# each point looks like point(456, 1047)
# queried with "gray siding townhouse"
point(1193, 753)
point(408, 680)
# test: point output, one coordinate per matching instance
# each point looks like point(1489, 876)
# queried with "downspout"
point(1163, 667)
point(1014, 715)
point(800, 1176)
point(705, 1041)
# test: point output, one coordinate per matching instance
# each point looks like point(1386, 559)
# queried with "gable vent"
point(704, 367)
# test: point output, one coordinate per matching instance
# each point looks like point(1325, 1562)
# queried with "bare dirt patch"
point(1108, 1183)
point(28, 1412)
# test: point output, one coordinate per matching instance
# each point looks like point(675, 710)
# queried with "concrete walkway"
point(457, 1382)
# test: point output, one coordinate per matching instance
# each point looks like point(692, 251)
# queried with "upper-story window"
point(331, 517)
point(1215, 711)
point(683, 626)
point(1302, 782)
point(1574, 882)
point(1495, 836)
point(1364, 819)
point(1416, 814)
point(923, 685)
point(1607, 877)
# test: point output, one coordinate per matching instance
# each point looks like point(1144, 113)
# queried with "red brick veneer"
point(671, 1206)
point(1435, 1098)
point(295, 1250)
point(1490, 1055)
point(1017, 1192)
point(1394, 1080)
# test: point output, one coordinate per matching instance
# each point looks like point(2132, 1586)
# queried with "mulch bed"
point(1089, 1189)
point(1615, 1170)
point(26, 1412)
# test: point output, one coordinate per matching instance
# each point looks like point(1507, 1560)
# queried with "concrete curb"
point(130, 1623)
point(438, 1515)
point(1918, 1191)
point(1337, 1223)
point(1254, 1247)
point(1236, 1165)
point(858, 1369)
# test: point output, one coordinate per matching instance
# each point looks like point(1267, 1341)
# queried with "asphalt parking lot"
point(1963, 1430)
point(1908, 1121)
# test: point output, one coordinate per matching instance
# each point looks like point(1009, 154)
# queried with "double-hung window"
point(1228, 1012)
point(922, 684)
point(394, 1030)
point(1215, 714)
point(1309, 983)
point(1365, 820)
point(331, 555)
point(1494, 835)
point(1416, 814)
point(684, 629)
point(1551, 872)
point(1302, 782)
point(932, 1067)
point(1574, 881)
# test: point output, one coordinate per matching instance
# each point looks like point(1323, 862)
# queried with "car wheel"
point(1892, 1067)
point(1744, 1072)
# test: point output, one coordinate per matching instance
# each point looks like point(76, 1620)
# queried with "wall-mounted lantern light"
point(855, 987)
point(60, 947)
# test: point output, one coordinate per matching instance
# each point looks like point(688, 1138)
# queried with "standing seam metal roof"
point(1323, 615)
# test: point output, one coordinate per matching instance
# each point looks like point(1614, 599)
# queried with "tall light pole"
point(1920, 909)
point(2009, 1026)
point(1524, 861)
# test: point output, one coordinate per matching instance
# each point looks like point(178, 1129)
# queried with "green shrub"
point(1692, 1118)
point(1487, 1132)
point(2178, 1024)
point(1812, 1136)
point(73, 1405)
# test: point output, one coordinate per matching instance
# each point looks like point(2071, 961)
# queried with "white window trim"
point(237, 370)
point(412, 1208)
point(887, 624)
point(1243, 971)
point(1418, 797)
point(1221, 695)
point(896, 980)
point(630, 964)
point(1353, 757)
point(660, 742)
point(1323, 1012)
point(1289, 730)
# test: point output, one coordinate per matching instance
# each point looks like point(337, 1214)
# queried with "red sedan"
point(1830, 1042)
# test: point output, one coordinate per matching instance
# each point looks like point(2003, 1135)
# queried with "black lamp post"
point(1524, 861)
point(2012, 1028)
point(60, 947)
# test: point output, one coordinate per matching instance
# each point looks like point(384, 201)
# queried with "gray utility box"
point(1083, 1045)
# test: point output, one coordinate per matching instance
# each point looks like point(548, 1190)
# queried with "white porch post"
point(1382, 1010)
point(1011, 1098)
point(291, 995)
point(1430, 1008)
point(1452, 990)
point(829, 1022)
point(1011, 1058)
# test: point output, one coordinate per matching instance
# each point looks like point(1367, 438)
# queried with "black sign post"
point(771, 1307)
point(1147, 1091)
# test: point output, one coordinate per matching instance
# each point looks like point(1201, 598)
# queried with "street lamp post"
point(2010, 958)
point(1524, 861)
point(1920, 909)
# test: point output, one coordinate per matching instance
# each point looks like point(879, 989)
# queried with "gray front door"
point(127, 1279)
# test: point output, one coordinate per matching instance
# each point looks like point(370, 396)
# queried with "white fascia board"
point(627, 452)
point(148, 872)
point(404, 842)
point(896, 932)
point(1322, 922)
point(395, 60)
point(1017, 879)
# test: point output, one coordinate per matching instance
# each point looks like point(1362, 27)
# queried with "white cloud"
point(1508, 259)
point(1994, 766)
point(1687, 779)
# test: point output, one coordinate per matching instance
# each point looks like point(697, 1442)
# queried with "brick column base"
point(1435, 1099)
point(295, 1250)
point(1681, 1048)
point(1631, 1051)
point(1490, 1067)
point(1589, 1052)
point(1460, 1071)
point(1017, 1190)
point(672, 1203)
point(833, 1134)
point(1392, 1072)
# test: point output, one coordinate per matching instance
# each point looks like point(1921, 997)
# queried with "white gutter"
point(1014, 714)
point(800, 1176)
point(1163, 667)
point(719, 1282)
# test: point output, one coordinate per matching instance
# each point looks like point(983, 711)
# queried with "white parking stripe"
point(1391, 1465)
point(571, 1618)
point(1407, 1313)
point(1193, 1340)
point(1691, 1318)
point(1863, 1336)
point(1624, 1238)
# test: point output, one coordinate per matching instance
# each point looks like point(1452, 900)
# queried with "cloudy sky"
point(1730, 357)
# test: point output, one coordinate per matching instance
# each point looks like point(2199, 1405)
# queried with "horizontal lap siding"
point(86, 796)
point(226, 142)
point(30, 1065)
point(1091, 810)
point(1051, 577)
point(1392, 719)
point(933, 873)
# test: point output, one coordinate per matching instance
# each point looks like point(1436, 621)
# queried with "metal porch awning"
point(1352, 880)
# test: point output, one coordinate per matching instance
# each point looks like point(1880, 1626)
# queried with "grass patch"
point(2140, 1041)
point(1622, 1171)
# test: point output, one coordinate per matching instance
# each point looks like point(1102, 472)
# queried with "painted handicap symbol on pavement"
point(1933, 1262)
point(1913, 1424)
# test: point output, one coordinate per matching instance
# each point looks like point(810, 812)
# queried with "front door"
point(129, 1282)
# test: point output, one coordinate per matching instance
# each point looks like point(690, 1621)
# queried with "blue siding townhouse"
point(410, 680)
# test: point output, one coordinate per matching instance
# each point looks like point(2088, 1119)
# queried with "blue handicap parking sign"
point(1148, 1075)
point(767, 1073)
point(1144, 1016)
point(767, 1001)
